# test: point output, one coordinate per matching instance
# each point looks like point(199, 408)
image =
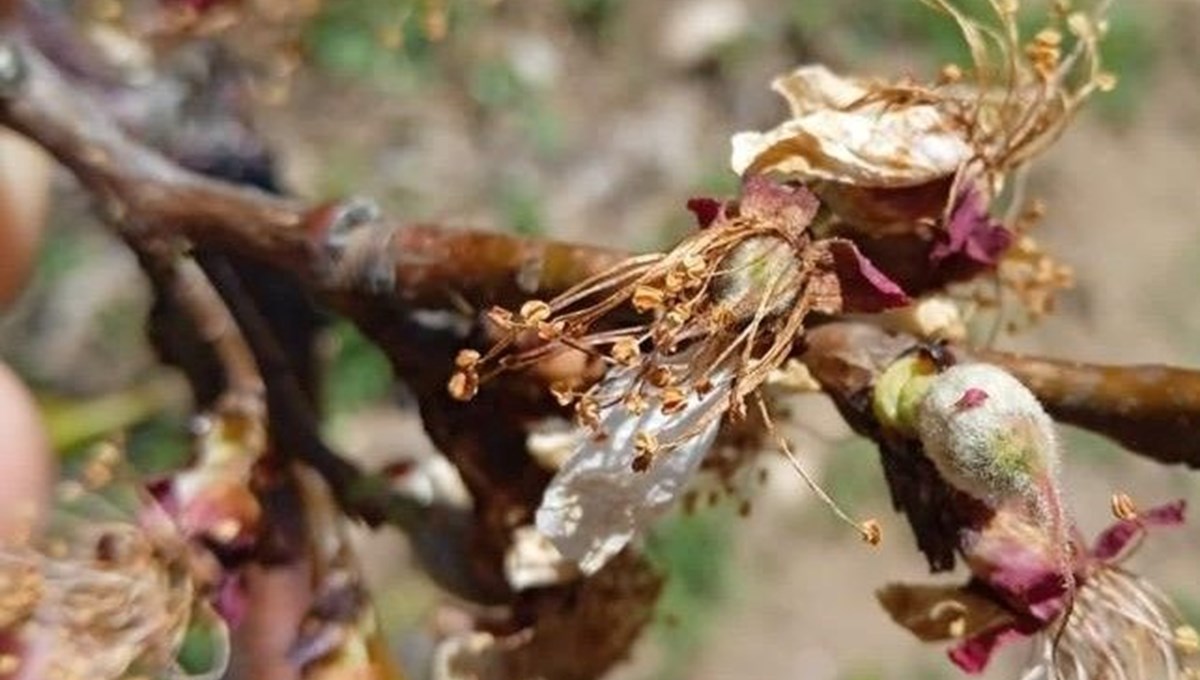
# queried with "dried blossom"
point(930, 161)
point(1116, 625)
point(715, 317)
point(1012, 102)
point(212, 498)
point(110, 589)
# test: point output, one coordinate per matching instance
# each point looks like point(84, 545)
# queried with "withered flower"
point(934, 161)
point(1115, 625)
point(874, 143)
point(109, 591)
point(711, 320)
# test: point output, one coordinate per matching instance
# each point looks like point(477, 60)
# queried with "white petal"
point(869, 146)
point(597, 502)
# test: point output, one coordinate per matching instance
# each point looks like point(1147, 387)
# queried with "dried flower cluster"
point(710, 321)
point(110, 591)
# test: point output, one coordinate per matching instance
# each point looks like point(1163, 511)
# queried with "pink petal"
point(972, 398)
point(973, 654)
point(706, 210)
point(1170, 514)
point(1113, 541)
point(231, 600)
point(972, 238)
point(864, 287)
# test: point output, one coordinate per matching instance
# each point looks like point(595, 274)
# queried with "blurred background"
point(593, 121)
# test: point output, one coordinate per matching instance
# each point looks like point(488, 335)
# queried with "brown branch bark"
point(329, 248)
point(1152, 410)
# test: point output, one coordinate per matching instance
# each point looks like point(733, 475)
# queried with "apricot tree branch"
point(420, 265)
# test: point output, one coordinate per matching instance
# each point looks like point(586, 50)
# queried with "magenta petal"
point(973, 654)
point(1170, 514)
point(1115, 539)
point(706, 210)
point(971, 237)
point(864, 287)
point(231, 600)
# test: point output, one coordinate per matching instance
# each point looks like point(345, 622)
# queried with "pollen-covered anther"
point(587, 412)
point(501, 318)
point(1123, 507)
point(466, 359)
point(535, 312)
point(645, 446)
point(1045, 53)
point(950, 74)
point(695, 266)
point(463, 385)
point(675, 281)
point(635, 403)
point(871, 532)
point(648, 298)
point(564, 393)
point(626, 352)
point(719, 317)
point(1187, 640)
point(673, 400)
point(661, 377)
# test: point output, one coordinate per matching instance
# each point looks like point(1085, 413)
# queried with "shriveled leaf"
point(597, 502)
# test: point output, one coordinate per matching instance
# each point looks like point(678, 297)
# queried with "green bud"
point(988, 435)
point(899, 391)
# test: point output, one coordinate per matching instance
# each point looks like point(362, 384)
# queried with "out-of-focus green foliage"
point(693, 551)
point(357, 373)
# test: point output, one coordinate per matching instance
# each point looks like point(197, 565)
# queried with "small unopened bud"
point(988, 435)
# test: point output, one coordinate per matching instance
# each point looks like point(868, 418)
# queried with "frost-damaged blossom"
point(1031, 575)
point(212, 499)
point(705, 325)
point(110, 591)
point(1117, 625)
point(900, 156)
